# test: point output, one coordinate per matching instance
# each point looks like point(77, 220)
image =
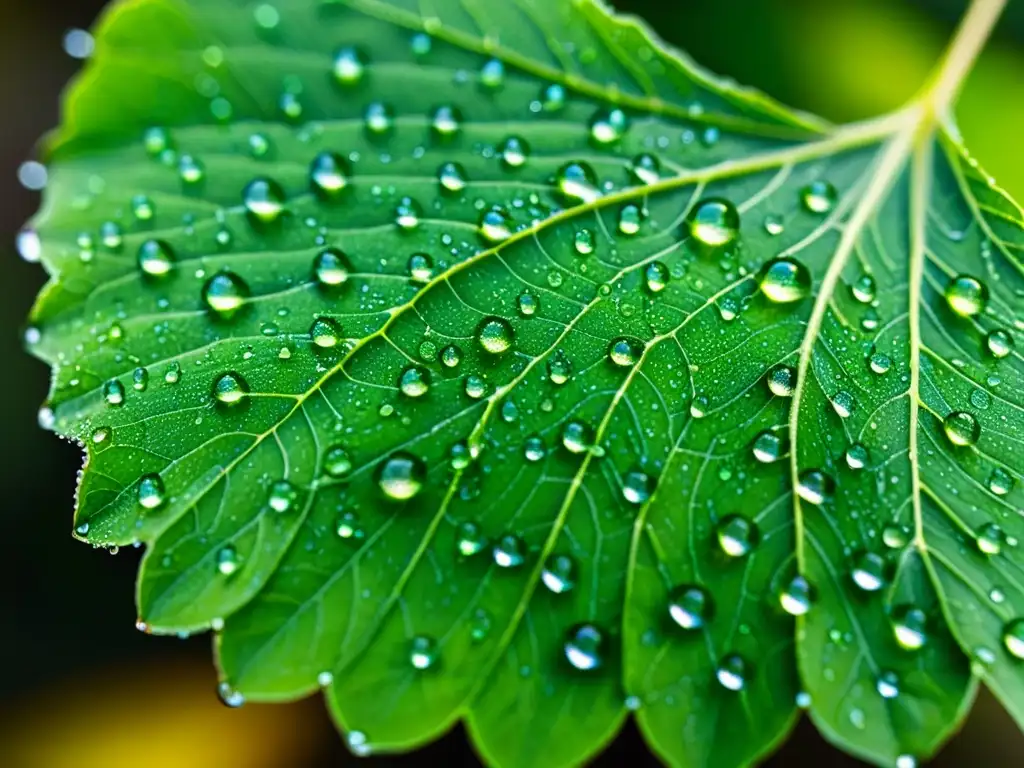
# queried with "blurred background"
point(79, 686)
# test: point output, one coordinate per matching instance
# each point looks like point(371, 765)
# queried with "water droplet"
point(768, 447)
point(414, 381)
point(494, 226)
point(879, 363)
point(230, 389)
point(328, 175)
point(732, 672)
point(151, 491)
point(577, 183)
point(636, 487)
point(283, 496)
point(264, 199)
point(559, 574)
point(190, 170)
point(715, 222)
point(908, 626)
point(173, 373)
point(358, 743)
point(509, 551)
point(552, 98)
point(446, 121)
point(337, 462)
point(814, 486)
point(527, 304)
point(797, 597)
point(895, 536)
point(514, 152)
point(259, 145)
point(856, 456)
point(111, 235)
point(142, 208)
point(452, 178)
point(576, 437)
point(470, 539)
point(228, 696)
point(585, 647)
point(864, 289)
point(967, 296)
point(737, 535)
point(451, 356)
point(348, 527)
point(228, 561)
point(423, 653)
point(534, 449)
point(774, 224)
point(559, 368)
point(349, 66)
point(1000, 482)
point(961, 428)
point(608, 126)
point(156, 141)
point(113, 392)
point(989, 539)
point(331, 267)
point(155, 258)
point(784, 280)
point(691, 606)
point(476, 386)
point(584, 242)
point(629, 219)
point(699, 406)
point(1013, 638)
point(782, 381)
point(29, 245)
point(480, 625)
point(646, 168)
point(999, 343)
point(843, 404)
point(379, 119)
point(656, 277)
point(401, 476)
point(459, 457)
point(624, 353)
point(888, 685)
point(495, 335)
point(225, 293)
point(818, 197)
point(869, 571)
point(407, 214)
point(492, 74)
point(325, 333)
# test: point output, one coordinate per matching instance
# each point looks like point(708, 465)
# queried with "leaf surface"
point(491, 361)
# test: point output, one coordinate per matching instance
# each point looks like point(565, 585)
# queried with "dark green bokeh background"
point(79, 686)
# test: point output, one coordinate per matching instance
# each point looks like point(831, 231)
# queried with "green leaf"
point(491, 361)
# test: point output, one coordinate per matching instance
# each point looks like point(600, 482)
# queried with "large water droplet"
point(784, 280)
point(423, 652)
point(908, 627)
point(781, 380)
point(797, 596)
point(264, 199)
point(113, 392)
point(470, 539)
point(732, 672)
point(768, 447)
point(401, 476)
point(1013, 638)
point(999, 343)
point(818, 197)
point(325, 333)
point(446, 121)
point(230, 389)
point(407, 214)
point(514, 152)
point(349, 66)
point(509, 551)
point(379, 119)
point(452, 178)
point(1000, 482)
point(585, 647)
point(155, 258)
point(495, 335)
point(559, 574)
point(608, 126)
point(624, 353)
point(328, 175)
point(636, 487)
point(967, 296)
point(577, 437)
point(414, 381)
point(225, 293)
point(331, 267)
point(495, 225)
point(961, 428)
point(869, 571)
point(337, 462)
point(283, 496)
point(989, 539)
point(715, 222)
point(814, 486)
point(577, 183)
point(888, 685)
point(583, 241)
point(645, 168)
point(151, 491)
point(656, 277)
point(690, 606)
point(228, 561)
point(737, 535)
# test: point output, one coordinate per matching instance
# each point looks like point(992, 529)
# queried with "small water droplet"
point(818, 197)
point(576, 437)
point(737, 535)
point(113, 392)
point(331, 267)
point(264, 200)
point(155, 258)
point(781, 380)
point(349, 66)
point(509, 551)
point(283, 496)
point(784, 280)
point(908, 626)
point(869, 571)
point(814, 486)
point(691, 606)
point(423, 652)
point(328, 175)
point(797, 596)
point(230, 389)
point(228, 561)
point(577, 183)
point(585, 647)
point(559, 574)
point(401, 476)
point(324, 333)
point(732, 672)
point(151, 491)
point(414, 381)
point(608, 126)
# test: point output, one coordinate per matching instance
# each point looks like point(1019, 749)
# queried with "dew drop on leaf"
point(818, 197)
point(470, 539)
point(797, 597)
point(908, 627)
point(337, 462)
point(401, 476)
point(784, 280)
point(264, 199)
point(577, 183)
point(737, 535)
point(494, 226)
point(781, 381)
point(349, 66)
point(283, 496)
point(423, 652)
point(324, 333)
point(869, 571)
point(113, 392)
point(509, 551)
point(228, 561)
point(414, 381)
point(585, 647)
point(495, 335)
point(559, 574)
point(961, 428)
point(225, 293)
point(331, 267)
point(732, 672)
point(151, 491)
point(1013, 638)
point(715, 222)
point(155, 258)
point(690, 606)
point(328, 175)
point(814, 486)
point(967, 296)
point(514, 152)
point(230, 389)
